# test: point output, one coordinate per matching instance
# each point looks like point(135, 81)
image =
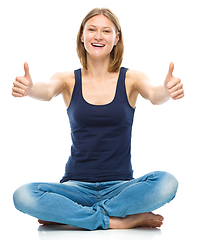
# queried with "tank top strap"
point(77, 87)
point(121, 89)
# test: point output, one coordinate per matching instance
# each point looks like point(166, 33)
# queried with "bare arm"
point(172, 88)
point(24, 86)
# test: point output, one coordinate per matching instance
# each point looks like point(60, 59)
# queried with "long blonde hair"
point(116, 55)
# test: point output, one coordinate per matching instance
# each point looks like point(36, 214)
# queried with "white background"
point(35, 136)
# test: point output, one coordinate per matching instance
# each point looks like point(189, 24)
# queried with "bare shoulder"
point(66, 77)
point(69, 74)
point(135, 75)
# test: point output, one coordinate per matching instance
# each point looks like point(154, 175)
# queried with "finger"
point(173, 83)
point(177, 93)
point(176, 88)
point(22, 80)
point(18, 90)
point(16, 94)
point(19, 85)
point(179, 97)
point(171, 68)
point(26, 68)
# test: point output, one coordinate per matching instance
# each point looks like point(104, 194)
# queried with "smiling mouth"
point(98, 45)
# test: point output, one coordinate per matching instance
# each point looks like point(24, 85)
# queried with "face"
point(99, 36)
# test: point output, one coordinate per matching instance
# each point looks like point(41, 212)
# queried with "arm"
point(172, 88)
point(23, 86)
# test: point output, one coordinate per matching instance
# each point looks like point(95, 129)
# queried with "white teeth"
point(98, 45)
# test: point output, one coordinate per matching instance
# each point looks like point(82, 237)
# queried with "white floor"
point(179, 222)
point(26, 228)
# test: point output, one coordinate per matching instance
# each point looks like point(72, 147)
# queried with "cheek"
point(86, 39)
point(111, 40)
point(86, 44)
point(111, 43)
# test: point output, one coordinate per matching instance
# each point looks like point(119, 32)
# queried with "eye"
point(91, 29)
point(107, 31)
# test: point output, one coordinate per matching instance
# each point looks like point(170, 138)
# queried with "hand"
point(22, 85)
point(173, 84)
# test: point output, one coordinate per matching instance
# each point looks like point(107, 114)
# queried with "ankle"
point(115, 223)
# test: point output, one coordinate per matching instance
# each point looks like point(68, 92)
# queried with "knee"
point(168, 185)
point(23, 198)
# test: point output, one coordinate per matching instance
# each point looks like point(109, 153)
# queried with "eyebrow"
point(91, 25)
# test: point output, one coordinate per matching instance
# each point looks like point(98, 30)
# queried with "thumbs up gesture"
point(22, 85)
point(173, 84)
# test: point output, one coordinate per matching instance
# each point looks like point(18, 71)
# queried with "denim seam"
point(81, 194)
point(126, 189)
point(84, 207)
point(64, 197)
point(106, 219)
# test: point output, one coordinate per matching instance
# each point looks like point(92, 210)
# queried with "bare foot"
point(49, 223)
point(137, 220)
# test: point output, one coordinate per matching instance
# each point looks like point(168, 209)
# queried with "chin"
point(99, 56)
point(98, 53)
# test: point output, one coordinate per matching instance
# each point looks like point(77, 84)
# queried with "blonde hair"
point(116, 55)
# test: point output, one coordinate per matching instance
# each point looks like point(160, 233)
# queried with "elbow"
point(154, 102)
point(48, 97)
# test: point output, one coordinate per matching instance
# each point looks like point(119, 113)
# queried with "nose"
point(98, 36)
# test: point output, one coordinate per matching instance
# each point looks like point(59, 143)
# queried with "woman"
point(98, 189)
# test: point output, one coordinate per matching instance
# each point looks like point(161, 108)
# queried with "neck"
point(98, 68)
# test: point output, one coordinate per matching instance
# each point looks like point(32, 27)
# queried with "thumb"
point(171, 68)
point(26, 68)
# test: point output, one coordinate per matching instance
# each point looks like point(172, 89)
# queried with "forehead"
point(100, 21)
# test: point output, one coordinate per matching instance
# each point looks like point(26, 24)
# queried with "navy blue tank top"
point(101, 136)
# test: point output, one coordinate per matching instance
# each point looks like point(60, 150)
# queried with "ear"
point(82, 38)
point(117, 39)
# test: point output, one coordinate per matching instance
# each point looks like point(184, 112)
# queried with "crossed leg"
point(131, 207)
point(137, 220)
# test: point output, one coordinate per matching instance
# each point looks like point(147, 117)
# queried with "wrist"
point(31, 91)
point(161, 95)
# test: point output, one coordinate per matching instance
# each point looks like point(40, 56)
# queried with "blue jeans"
point(89, 205)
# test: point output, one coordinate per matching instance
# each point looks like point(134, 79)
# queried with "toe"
point(160, 218)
